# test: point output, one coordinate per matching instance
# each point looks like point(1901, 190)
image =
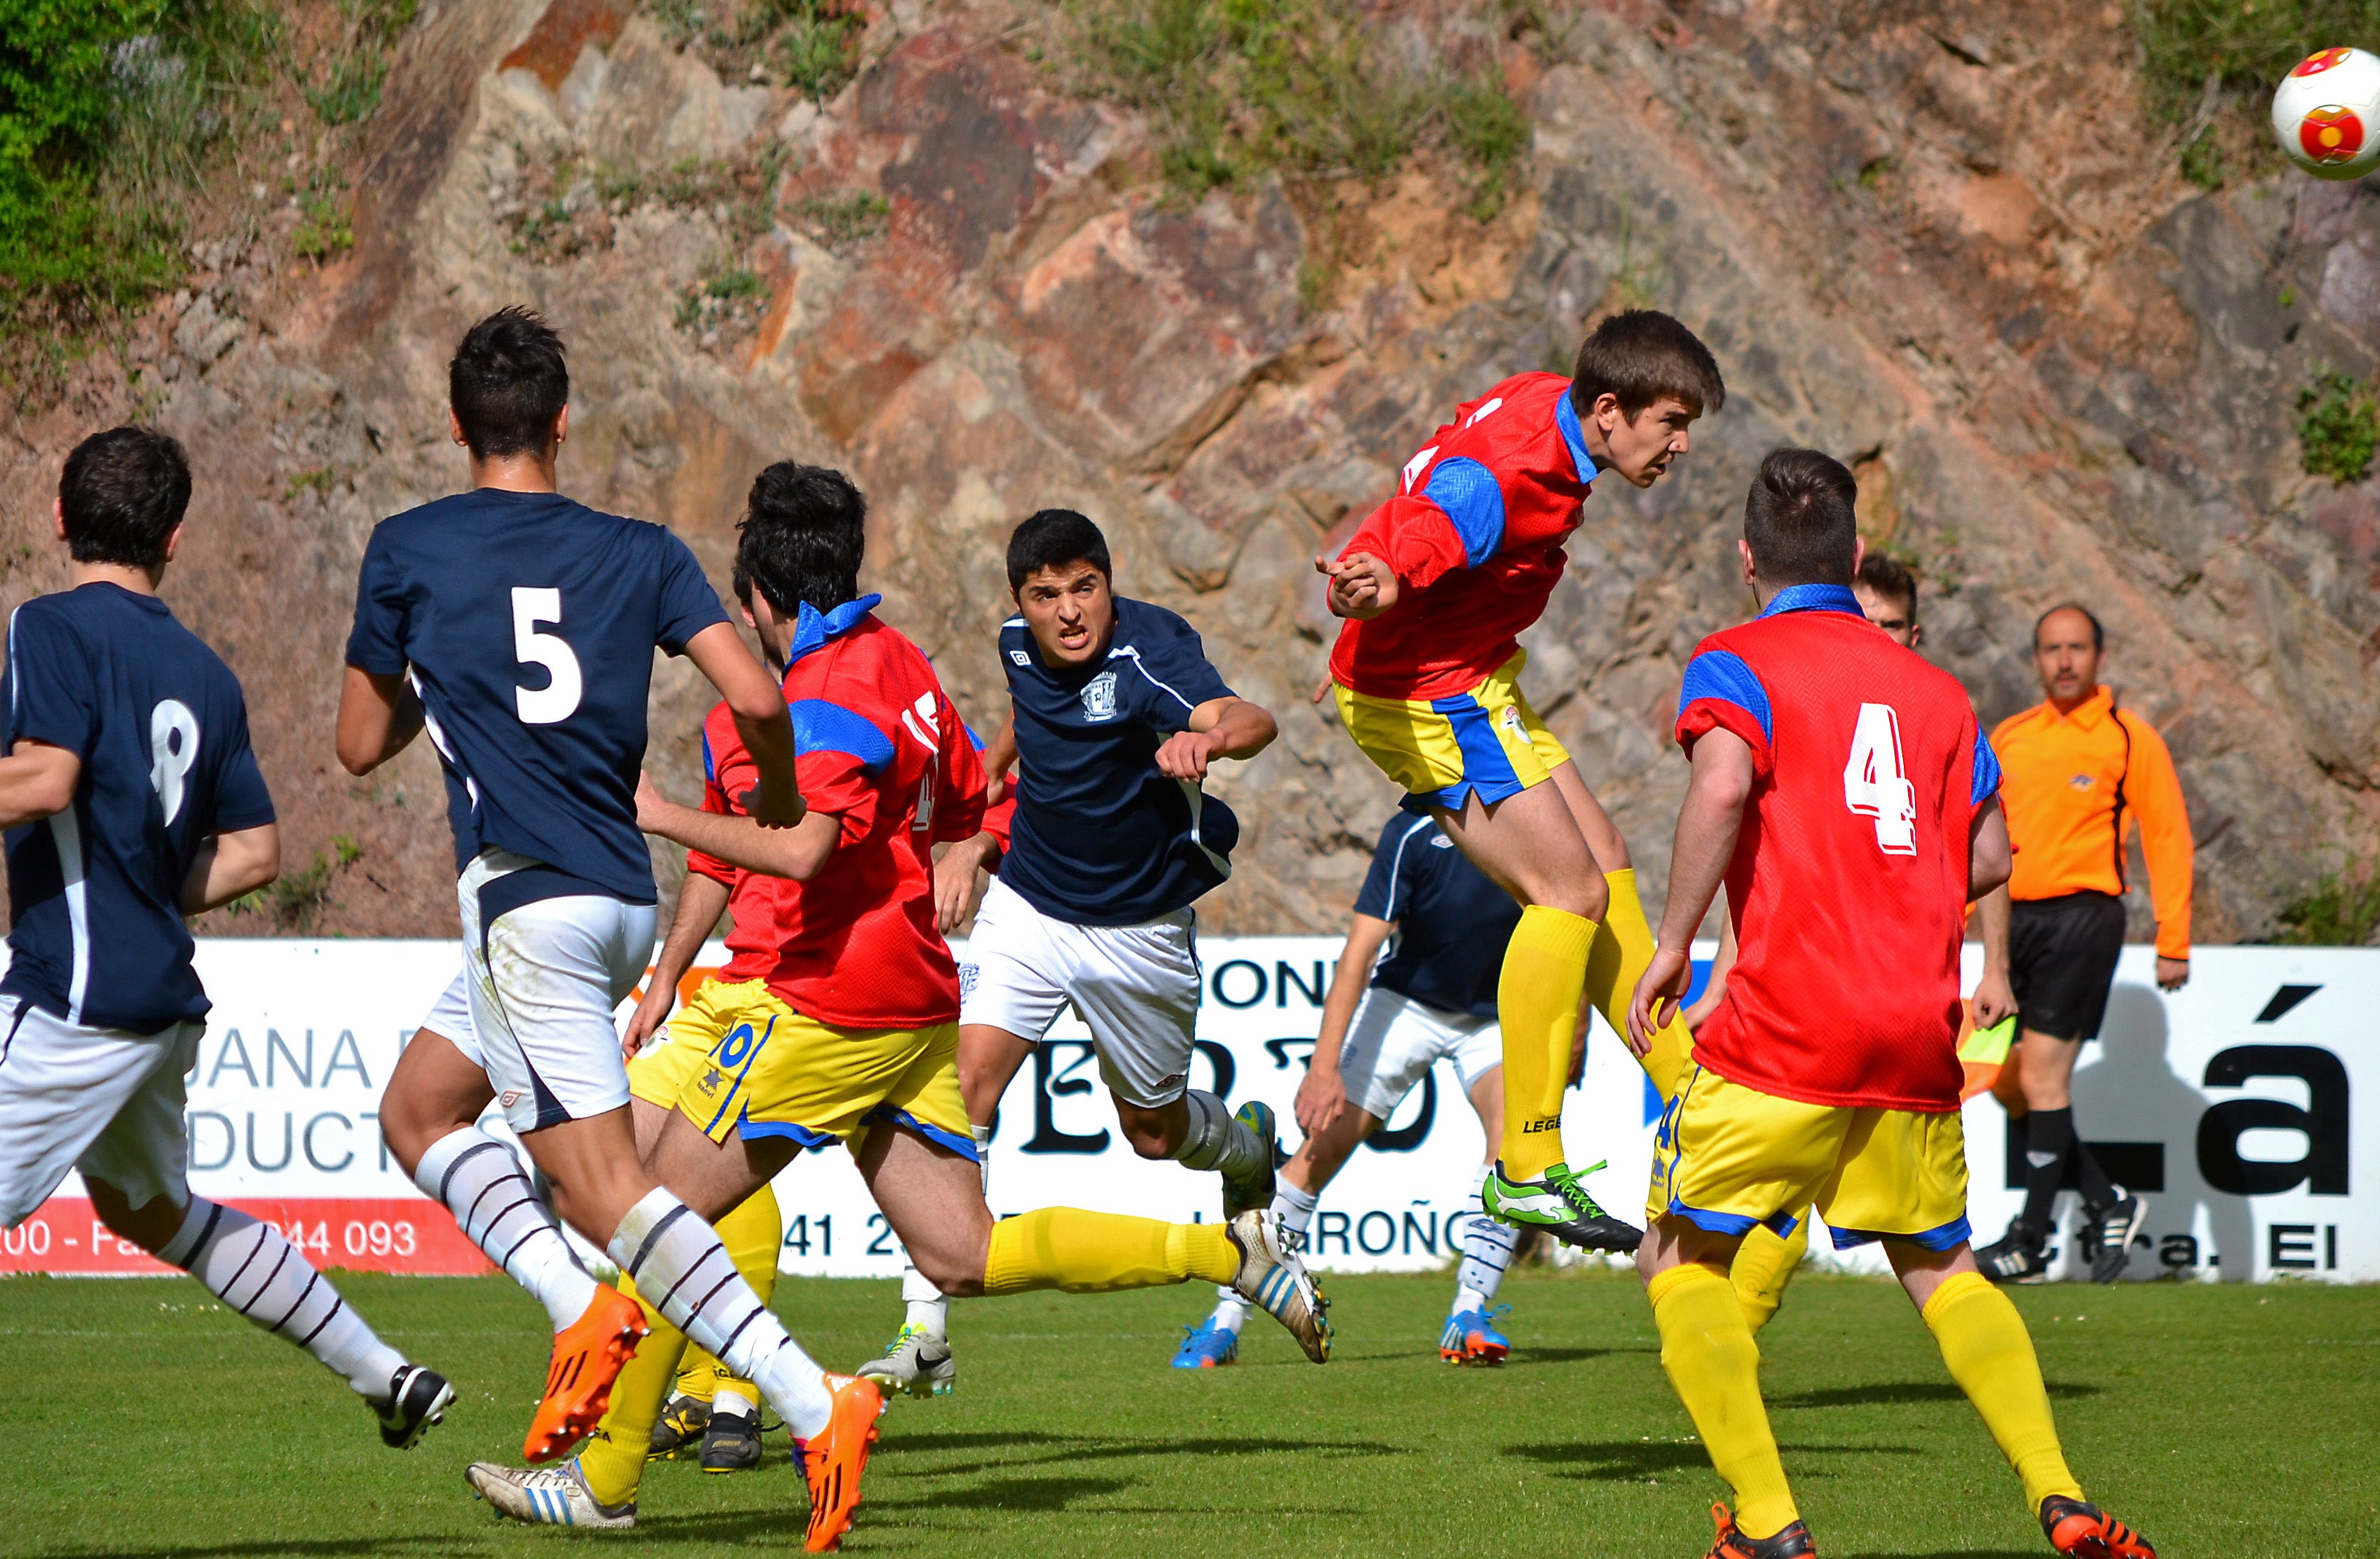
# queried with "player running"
point(518, 627)
point(838, 1021)
point(1385, 1023)
point(1115, 716)
point(1842, 789)
point(1436, 586)
point(131, 799)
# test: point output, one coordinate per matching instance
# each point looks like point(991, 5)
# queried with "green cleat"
point(1559, 1204)
point(1253, 1193)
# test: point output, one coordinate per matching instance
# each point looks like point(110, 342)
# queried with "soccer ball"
point(2326, 113)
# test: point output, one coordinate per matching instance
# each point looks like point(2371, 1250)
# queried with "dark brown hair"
point(1884, 574)
point(1641, 355)
point(123, 492)
point(1801, 519)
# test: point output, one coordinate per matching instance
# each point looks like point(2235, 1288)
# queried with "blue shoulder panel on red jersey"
point(1566, 419)
point(710, 764)
point(1467, 493)
point(1988, 769)
point(1721, 675)
point(822, 727)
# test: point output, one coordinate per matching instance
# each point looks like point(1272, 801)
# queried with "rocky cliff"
point(1941, 240)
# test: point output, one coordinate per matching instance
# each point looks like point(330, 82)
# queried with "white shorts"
point(543, 988)
point(100, 1101)
point(450, 1014)
point(1394, 1040)
point(1137, 987)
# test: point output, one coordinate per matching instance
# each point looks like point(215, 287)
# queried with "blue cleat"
point(1207, 1346)
point(1471, 1338)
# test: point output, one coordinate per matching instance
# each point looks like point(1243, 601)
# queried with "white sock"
point(1295, 1207)
point(982, 1135)
point(928, 1309)
point(1231, 1310)
point(1215, 1141)
point(733, 1404)
point(250, 1267)
point(1487, 1252)
point(483, 1186)
point(670, 1251)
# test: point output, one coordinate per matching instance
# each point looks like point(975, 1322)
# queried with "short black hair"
point(507, 384)
point(1886, 575)
point(802, 537)
point(1052, 539)
point(2098, 632)
point(1640, 355)
point(1801, 519)
point(123, 493)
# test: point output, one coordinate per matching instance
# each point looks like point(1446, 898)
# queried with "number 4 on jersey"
point(1874, 785)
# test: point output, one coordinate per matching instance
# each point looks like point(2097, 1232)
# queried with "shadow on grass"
point(264, 1548)
point(1073, 1448)
point(1897, 1393)
point(1623, 1461)
point(1525, 1357)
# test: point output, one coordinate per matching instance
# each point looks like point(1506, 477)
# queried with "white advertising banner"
point(2243, 1108)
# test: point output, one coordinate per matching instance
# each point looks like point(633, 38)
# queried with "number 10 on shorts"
point(1874, 785)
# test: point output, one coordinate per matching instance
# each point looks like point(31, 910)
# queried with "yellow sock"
point(1713, 1362)
point(697, 1375)
point(753, 1235)
point(1537, 1005)
point(1990, 1354)
point(613, 1454)
point(1099, 1252)
point(1763, 1265)
point(1623, 951)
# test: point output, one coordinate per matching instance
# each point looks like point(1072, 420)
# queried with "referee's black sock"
point(2098, 1191)
point(2049, 1137)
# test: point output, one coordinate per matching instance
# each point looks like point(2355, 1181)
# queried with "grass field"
point(139, 1420)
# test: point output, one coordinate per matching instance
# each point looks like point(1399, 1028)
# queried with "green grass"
point(2338, 428)
point(2221, 1420)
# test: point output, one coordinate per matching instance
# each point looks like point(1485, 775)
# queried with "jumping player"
point(1436, 586)
point(837, 1022)
point(518, 627)
point(1841, 787)
point(1385, 1023)
point(131, 799)
point(1115, 716)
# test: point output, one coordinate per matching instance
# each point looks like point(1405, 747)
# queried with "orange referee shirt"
point(2073, 785)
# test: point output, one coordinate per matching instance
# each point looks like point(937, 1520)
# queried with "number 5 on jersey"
point(559, 697)
point(1874, 785)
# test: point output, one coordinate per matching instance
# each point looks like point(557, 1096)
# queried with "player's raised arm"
point(1707, 825)
point(1229, 727)
point(761, 720)
point(798, 852)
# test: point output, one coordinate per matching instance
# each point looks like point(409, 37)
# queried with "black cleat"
point(417, 1399)
point(1794, 1543)
point(2020, 1256)
point(681, 1425)
point(732, 1443)
point(2107, 1238)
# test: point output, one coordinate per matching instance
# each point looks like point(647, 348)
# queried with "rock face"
point(1937, 238)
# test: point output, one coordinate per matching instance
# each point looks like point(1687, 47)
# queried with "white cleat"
point(1273, 1279)
point(551, 1496)
point(918, 1362)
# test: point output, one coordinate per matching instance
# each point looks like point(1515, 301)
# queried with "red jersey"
point(1849, 885)
point(880, 744)
point(1475, 535)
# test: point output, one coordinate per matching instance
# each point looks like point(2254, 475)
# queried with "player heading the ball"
point(1437, 585)
point(131, 799)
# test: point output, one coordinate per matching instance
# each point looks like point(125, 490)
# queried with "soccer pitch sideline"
point(141, 1419)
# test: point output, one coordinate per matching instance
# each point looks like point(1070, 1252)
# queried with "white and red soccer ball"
point(2326, 113)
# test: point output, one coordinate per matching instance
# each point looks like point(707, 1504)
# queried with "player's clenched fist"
point(1362, 586)
point(1185, 754)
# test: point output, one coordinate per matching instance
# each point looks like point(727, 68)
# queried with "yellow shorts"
point(1486, 740)
point(1728, 1157)
point(740, 1060)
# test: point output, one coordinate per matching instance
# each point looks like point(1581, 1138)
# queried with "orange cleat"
point(588, 1356)
point(833, 1460)
point(2089, 1533)
point(1794, 1543)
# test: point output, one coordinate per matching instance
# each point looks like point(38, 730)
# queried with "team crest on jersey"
point(1099, 697)
point(1510, 719)
point(2081, 782)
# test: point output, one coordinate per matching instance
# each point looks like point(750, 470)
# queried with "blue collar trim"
point(1566, 419)
point(812, 628)
point(1812, 598)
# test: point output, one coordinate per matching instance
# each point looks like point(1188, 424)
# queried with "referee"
point(2077, 773)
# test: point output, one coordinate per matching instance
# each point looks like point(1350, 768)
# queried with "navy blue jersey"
point(1101, 837)
point(528, 623)
point(1452, 921)
point(95, 893)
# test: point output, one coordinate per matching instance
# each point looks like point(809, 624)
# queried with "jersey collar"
point(2087, 714)
point(1812, 598)
point(1566, 419)
point(812, 628)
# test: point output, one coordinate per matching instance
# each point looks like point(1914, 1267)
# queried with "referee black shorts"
point(2062, 956)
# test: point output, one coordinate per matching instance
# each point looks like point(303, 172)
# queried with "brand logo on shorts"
point(1020, 657)
point(968, 974)
point(1172, 1077)
point(511, 1097)
point(1099, 697)
point(1510, 719)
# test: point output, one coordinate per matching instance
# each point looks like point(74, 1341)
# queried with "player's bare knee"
point(150, 1225)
